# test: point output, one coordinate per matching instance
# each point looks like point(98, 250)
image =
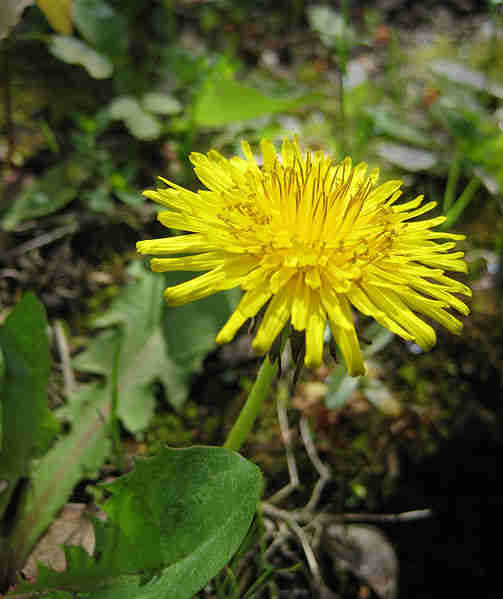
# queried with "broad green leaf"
point(191, 329)
point(160, 103)
point(28, 424)
point(49, 193)
point(123, 107)
point(172, 524)
point(141, 124)
point(101, 26)
point(73, 51)
point(58, 13)
point(224, 100)
point(78, 455)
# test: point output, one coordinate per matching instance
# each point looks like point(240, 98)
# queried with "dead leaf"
point(367, 552)
point(72, 527)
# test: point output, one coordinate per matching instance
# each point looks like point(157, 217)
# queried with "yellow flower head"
point(308, 238)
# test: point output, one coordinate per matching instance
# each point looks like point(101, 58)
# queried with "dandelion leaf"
point(28, 424)
point(172, 524)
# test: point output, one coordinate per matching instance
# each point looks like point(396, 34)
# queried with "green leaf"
point(388, 124)
point(99, 200)
point(155, 343)
point(73, 51)
point(406, 157)
point(459, 73)
point(101, 26)
point(136, 317)
point(160, 103)
point(477, 134)
point(29, 425)
point(331, 26)
point(2, 374)
point(44, 196)
point(132, 198)
point(78, 455)
point(340, 387)
point(141, 124)
point(172, 524)
point(191, 329)
point(224, 100)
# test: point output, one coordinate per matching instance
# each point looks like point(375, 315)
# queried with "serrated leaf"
point(78, 455)
point(58, 13)
point(73, 51)
point(49, 193)
point(224, 100)
point(29, 425)
point(173, 523)
point(136, 317)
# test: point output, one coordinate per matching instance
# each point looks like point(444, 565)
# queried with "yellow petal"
point(315, 331)
point(275, 318)
point(180, 244)
point(250, 304)
point(347, 342)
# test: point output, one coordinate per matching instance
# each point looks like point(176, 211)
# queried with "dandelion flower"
point(307, 238)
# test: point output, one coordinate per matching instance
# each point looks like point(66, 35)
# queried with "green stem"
point(342, 50)
point(461, 203)
point(246, 418)
point(452, 180)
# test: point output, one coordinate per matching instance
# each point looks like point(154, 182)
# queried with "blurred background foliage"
point(99, 97)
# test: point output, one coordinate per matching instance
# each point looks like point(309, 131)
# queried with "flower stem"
point(246, 418)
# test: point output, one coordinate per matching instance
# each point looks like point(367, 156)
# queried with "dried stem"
point(286, 435)
point(64, 354)
point(323, 471)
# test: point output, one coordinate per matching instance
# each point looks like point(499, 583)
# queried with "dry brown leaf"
point(72, 527)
